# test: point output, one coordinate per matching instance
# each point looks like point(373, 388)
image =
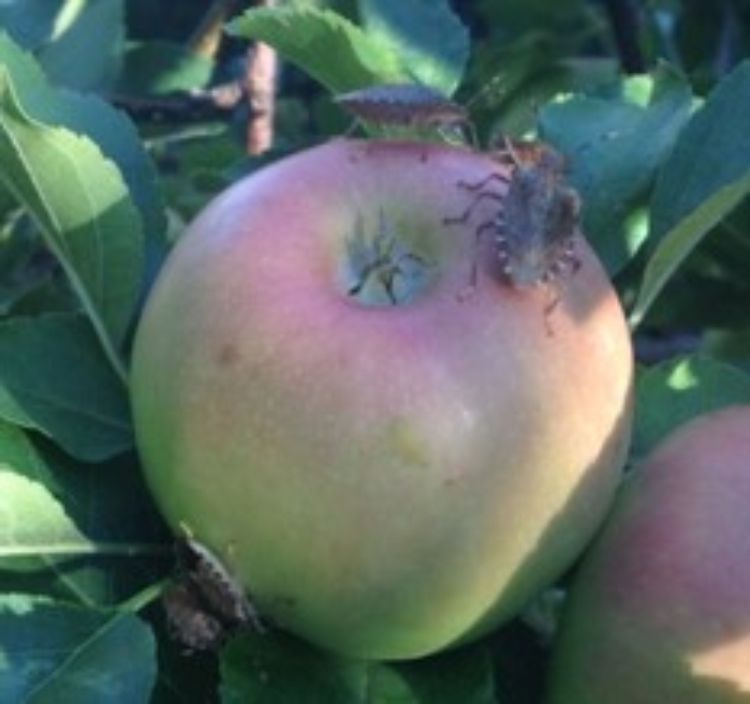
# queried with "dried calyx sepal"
point(205, 604)
point(380, 267)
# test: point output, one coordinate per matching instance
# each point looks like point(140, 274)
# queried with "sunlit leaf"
point(82, 206)
point(614, 148)
point(326, 45)
point(55, 519)
point(87, 55)
point(110, 129)
point(431, 41)
point(706, 176)
point(671, 393)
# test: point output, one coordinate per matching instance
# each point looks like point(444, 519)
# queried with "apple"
point(390, 459)
point(660, 610)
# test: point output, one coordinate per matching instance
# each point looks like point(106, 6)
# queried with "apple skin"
point(385, 480)
point(660, 610)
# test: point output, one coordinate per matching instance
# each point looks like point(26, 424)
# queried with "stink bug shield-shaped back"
point(536, 232)
point(404, 105)
point(536, 219)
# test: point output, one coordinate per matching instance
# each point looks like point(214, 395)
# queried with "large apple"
point(390, 459)
point(660, 611)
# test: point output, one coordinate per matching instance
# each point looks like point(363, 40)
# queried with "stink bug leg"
point(466, 215)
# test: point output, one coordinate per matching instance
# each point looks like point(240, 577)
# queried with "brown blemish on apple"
point(453, 478)
point(228, 355)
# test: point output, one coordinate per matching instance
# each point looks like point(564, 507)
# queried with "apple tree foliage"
point(102, 162)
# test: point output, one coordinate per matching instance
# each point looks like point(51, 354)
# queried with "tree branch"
point(260, 88)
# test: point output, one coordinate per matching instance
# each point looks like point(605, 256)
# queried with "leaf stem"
point(79, 550)
point(117, 362)
point(51, 240)
point(143, 598)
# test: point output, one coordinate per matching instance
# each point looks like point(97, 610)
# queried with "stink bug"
point(536, 229)
point(206, 604)
point(536, 221)
point(404, 105)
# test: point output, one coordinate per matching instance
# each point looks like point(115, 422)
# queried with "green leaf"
point(119, 141)
point(463, 675)
point(614, 148)
point(276, 668)
point(29, 22)
point(706, 176)
point(87, 55)
point(83, 208)
point(326, 45)
point(184, 678)
point(671, 393)
point(431, 41)
point(512, 18)
point(113, 132)
point(206, 163)
point(20, 273)
point(52, 652)
point(506, 83)
point(64, 522)
point(730, 345)
point(54, 379)
point(158, 68)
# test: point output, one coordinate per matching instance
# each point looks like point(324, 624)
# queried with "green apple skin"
point(385, 480)
point(660, 610)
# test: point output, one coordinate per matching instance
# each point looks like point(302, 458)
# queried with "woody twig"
point(260, 88)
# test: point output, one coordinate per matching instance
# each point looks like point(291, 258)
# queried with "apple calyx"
point(381, 266)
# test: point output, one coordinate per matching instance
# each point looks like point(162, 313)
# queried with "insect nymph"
point(535, 224)
point(206, 604)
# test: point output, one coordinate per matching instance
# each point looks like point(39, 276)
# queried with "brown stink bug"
point(206, 604)
point(536, 229)
point(536, 221)
point(404, 105)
